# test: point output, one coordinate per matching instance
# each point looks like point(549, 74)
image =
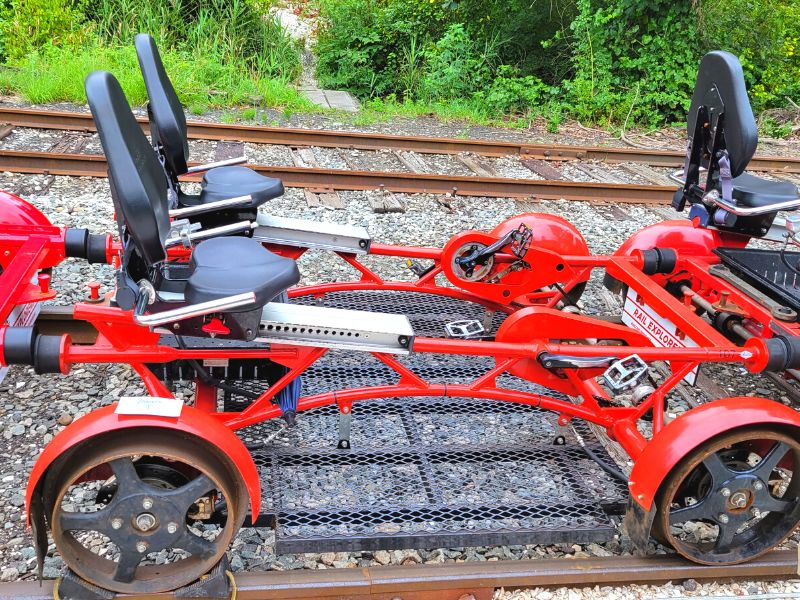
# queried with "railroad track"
point(329, 180)
point(402, 166)
point(71, 121)
point(475, 580)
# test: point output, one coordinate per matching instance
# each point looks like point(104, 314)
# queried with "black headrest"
point(167, 121)
point(722, 70)
point(138, 183)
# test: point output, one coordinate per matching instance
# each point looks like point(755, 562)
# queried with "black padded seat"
point(228, 266)
point(169, 133)
point(229, 182)
point(753, 192)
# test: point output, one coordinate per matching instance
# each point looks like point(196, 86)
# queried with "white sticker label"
point(661, 331)
point(149, 406)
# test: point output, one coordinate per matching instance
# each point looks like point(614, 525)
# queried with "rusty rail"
point(455, 580)
point(86, 165)
point(72, 121)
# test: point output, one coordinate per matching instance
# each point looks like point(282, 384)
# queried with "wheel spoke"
point(725, 537)
point(719, 472)
point(126, 567)
point(196, 545)
point(695, 512)
point(772, 504)
point(188, 493)
point(84, 521)
point(770, 461)
point(127, 478)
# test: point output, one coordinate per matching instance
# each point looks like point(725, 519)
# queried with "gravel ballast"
point(33, 408)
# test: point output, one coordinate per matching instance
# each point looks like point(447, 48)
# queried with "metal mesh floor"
point(428, 472)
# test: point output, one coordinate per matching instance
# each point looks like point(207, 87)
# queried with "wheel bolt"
point(172, 527)
point(141, 547)
point(725, 492)
point(723, 518)
point(758, 486)
point(147, 503)
point(116, 522)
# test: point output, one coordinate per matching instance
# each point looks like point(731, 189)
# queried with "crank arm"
point(565, 361)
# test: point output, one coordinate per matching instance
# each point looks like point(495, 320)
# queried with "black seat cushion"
point(753, 192)
point(229, 182)
point(227, 266)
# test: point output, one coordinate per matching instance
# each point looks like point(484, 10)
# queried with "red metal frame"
point(534, 328)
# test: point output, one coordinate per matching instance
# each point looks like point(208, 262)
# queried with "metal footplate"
point(335, 328)
point(303, 233)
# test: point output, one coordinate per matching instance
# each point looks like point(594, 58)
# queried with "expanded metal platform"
point(427, 472)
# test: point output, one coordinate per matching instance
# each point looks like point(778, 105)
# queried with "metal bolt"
point(147, 503)
point(739, 500)
point(172, 527)
point(116, 522)
point(755, 512)
point(145, 522)
point(758, 486)
point(723, 518)
point(141, 547)
point(725, 492)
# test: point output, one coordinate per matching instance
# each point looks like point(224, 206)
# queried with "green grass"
point(57, 74)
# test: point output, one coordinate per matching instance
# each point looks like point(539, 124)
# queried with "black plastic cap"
point(19, 344)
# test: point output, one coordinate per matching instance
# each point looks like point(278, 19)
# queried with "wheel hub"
point(145, 522)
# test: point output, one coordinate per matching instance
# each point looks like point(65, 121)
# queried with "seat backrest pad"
point(723, 71)
point(167, 120)
point(138, 184)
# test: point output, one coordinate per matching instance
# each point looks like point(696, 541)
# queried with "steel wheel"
point(733, 499)
point(116, 503)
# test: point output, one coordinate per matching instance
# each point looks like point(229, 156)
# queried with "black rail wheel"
point(734, 498)
point(154, 533)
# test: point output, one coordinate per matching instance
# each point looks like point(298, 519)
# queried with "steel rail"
point(73, 121)
point(93, 165)
point(451, 581)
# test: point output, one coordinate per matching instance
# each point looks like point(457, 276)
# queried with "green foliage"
point(218, 52)
point(29, 24)
point(229, 30)
point(372, 46)
point(766, 37)
point(54, 74)
point(632, 59)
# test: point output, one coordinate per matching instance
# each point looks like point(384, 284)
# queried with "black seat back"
point(167, 121)
point(138, 184)
point(720, 86)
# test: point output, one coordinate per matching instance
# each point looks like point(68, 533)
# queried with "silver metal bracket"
point(626, 373)
point(468, 328)
point(180, 232)
point(335, 328)
point(303, 233)
point(345, 420)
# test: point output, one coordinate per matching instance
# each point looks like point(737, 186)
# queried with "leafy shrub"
point(457, 65)
point(766, 37)
point(29, 24)
point(371, 47)
point(633, 59)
